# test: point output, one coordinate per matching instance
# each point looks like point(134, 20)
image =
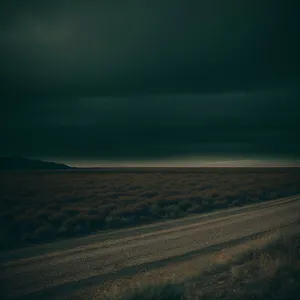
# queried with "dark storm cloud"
point(151, 127)
point(125, 47)
point(149, 79)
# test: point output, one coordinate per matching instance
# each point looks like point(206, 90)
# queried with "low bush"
point(73, 203)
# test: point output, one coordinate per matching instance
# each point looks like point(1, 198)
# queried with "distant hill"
point(22, 163)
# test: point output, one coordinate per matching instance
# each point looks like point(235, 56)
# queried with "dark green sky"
point(144, 80)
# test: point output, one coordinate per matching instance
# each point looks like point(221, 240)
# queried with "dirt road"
point(54, 270)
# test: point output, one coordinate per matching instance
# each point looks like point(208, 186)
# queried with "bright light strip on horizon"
point(186, 162)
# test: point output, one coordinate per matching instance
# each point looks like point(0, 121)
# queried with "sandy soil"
point(55, 270)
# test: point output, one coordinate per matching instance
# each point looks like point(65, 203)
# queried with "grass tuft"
point(168, 291)
point(270, 271)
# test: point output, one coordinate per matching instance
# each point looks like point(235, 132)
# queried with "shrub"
point(127, 211)
point(196, 208)
point(58, 218)
point(220, 204)
point(149, 194)
point(43, 214)
point(173, 211)
point(215, 195)
point(155, 210)
point(64, 230)
point(196, 199)
point(141, 208)
point(81, 220)
point(45, 232)
point(185, 204)
point(113, 221)
point(237, 202)
point(79, 229)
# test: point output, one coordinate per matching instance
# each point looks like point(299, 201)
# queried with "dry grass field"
point(261, 272)
point(41, 206)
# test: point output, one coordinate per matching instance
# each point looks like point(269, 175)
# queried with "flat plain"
point(179, 248)
point(71, 234)
point(42, 206)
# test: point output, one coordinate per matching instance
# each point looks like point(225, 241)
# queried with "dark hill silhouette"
point(22, 163)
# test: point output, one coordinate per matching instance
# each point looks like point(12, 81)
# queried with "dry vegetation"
point(268, 272)
point(43, 206)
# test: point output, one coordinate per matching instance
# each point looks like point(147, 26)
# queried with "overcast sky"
point(149, 80)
